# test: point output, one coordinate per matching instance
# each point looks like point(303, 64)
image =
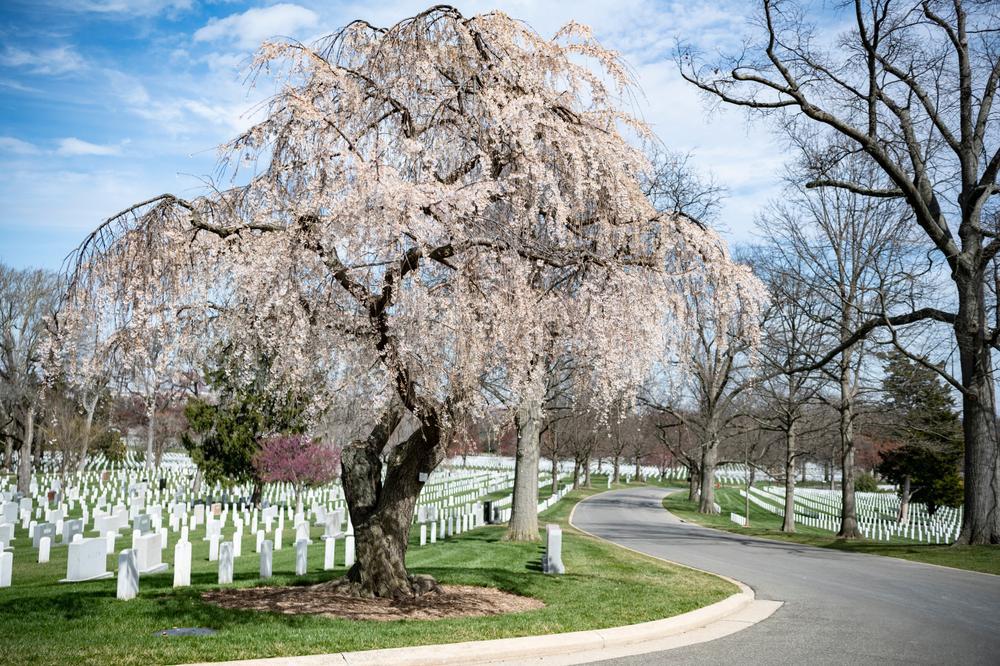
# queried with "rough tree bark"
point(524, 507)
point(981, 515)
point(382, 513)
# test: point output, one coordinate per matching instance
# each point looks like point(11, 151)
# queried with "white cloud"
point(14, 146)
point(132, 7)
point(54, 61)
point(253, 26)
point(71, 146)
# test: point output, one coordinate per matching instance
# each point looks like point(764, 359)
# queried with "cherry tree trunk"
point(382, 512)
point(524, 507)
point(788, 524)
point(586, 471)
point(709, 456)
point(555, 475)
point(24, 457)
point(981, 514)
point(617, 475)
point(150, 430)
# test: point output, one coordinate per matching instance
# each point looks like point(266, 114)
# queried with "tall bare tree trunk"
point(709, 456)
point(904, 501)
point(586, 471)
point(694, 484)
point(524, 507)
point(8, 454)
point(617, 467)
point(848, 511)
point(788, 524)
point(555, 475)
point(24, 457)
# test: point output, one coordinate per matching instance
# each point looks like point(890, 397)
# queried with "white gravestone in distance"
point(301, 555)
point(329, 551)
point(43, 530)
point(128, 575)
point(71, 528)
point(182, 564)
point(266, 549)
point(226, 563)
point(87, 559)
point(213, 548)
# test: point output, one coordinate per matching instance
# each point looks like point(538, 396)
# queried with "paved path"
point(840, 608)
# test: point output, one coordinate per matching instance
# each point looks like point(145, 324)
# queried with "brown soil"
point(451, 601)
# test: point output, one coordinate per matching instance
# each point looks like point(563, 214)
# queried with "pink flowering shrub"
point(297, 459)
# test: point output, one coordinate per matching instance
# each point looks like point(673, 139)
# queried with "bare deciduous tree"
point(910, 86)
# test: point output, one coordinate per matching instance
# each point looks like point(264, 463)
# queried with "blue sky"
point(108, 102)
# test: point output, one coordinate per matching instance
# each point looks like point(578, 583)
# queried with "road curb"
point(545, 645)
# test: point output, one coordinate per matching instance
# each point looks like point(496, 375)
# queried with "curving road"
point(839, 608)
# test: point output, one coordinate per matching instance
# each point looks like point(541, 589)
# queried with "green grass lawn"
point(768, 525)
point(45, 622)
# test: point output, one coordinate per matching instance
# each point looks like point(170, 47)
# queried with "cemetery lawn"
point(985, 559)
point(45, 622)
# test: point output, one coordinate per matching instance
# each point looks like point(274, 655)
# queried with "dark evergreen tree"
point(924, 420)
point(226, 427)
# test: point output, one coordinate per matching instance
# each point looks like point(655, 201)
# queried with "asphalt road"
point(839, 608)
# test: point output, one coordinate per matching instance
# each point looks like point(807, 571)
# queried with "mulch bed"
point(451, 601)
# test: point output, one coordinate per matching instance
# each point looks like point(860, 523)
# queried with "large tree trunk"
point(24, 457)
point(555, 475)
point(617, 467)
point(788, 524)
point(586, 471)
point(8, 454)
point(709, 455)
point(980, 517)
point(382, 513)
point(524, 507)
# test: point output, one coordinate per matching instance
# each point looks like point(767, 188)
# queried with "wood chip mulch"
point(452, 601)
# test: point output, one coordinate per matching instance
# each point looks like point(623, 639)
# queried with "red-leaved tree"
point(299, 460)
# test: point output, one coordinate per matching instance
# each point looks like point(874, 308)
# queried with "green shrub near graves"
point(768, 525)
point(45, 622)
